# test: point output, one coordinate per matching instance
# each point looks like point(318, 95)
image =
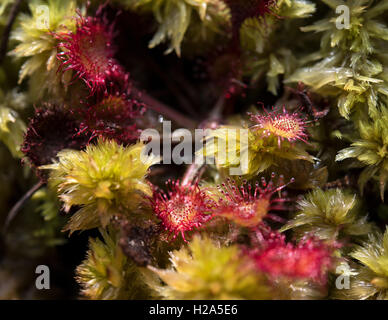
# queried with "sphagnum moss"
point(105, 179)
point(100, 73)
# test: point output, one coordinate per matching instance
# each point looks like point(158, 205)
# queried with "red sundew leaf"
point(248, 205)
point(182, 208)
point(310, 259)
point(89, 52)
point(51, 129)
point(244, 9)
point(113, 117)
point(282, 124)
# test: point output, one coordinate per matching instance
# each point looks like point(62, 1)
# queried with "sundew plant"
point(194, 149)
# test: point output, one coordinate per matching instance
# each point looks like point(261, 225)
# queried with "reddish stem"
point(165, 110)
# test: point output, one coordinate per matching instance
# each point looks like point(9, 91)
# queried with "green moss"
point(328, 215)
point(370, 148)
point(37, 45)
point(370, 274)
point(205, 270)
point(105, 180)
point(350, 64)
point(107, 274)
point(202, 19)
